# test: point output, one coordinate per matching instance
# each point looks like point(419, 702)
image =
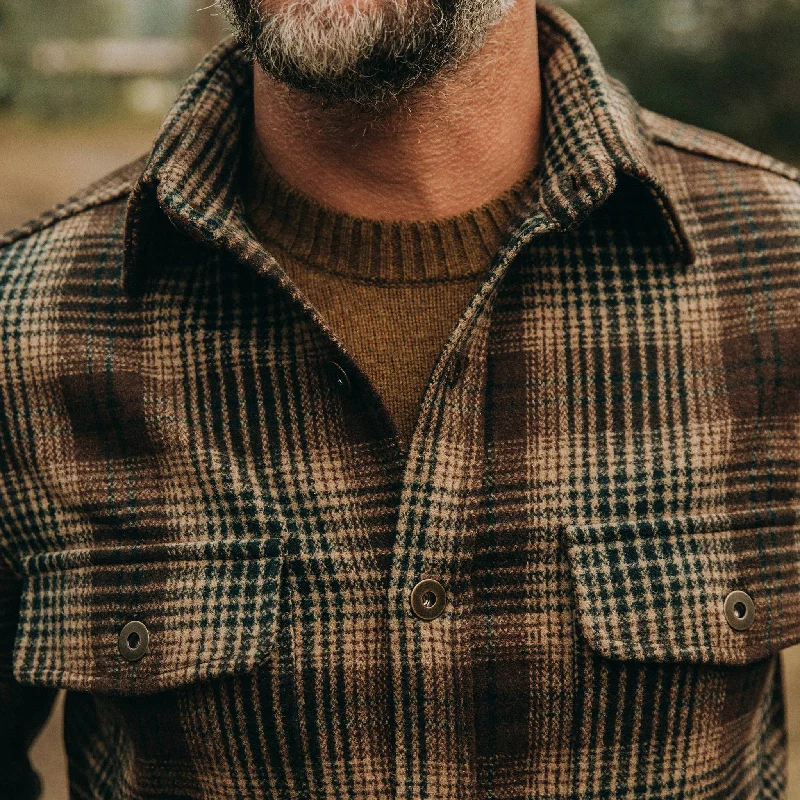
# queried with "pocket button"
point(134, 639)
point(740, 610)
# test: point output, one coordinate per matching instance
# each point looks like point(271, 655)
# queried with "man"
point(418, 420)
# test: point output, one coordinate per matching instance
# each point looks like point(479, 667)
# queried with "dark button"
point(428, 599)
point(740, 610)
point(338, 376)
point(134, 640)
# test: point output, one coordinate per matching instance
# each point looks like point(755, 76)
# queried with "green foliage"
point(729, 65)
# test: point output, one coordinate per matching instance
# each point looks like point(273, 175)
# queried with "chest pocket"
point(135, 620)
point(662, 590)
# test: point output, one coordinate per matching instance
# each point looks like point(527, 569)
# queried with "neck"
point(454, 145)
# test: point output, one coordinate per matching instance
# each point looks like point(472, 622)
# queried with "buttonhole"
point(134, 640)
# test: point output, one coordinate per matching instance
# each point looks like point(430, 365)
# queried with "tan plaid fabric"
point(608, 446)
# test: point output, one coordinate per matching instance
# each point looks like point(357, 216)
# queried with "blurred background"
point(84, 85)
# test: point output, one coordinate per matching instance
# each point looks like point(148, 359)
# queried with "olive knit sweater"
point(391, 291)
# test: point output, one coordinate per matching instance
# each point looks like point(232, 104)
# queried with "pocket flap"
point(208, 608)
point(656, 590)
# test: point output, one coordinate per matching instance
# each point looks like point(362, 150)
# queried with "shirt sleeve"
point(23, 709)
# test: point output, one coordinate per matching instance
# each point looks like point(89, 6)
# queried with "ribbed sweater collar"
point(382, 251)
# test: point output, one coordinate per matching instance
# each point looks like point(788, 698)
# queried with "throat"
point(443, 149)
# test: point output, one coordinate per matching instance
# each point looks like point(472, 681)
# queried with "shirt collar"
point(593, 133)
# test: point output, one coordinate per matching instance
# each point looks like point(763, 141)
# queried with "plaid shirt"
point(608, 446)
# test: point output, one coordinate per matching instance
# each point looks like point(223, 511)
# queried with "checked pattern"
point(608, 445)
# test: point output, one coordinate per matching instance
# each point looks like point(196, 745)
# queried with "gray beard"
point(362, 56)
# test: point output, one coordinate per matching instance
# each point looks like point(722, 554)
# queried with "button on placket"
point(428, 599)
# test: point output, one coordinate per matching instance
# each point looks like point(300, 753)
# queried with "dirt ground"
point(40, 167)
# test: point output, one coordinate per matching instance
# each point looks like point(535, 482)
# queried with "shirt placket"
point(442, 507)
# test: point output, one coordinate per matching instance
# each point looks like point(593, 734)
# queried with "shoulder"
point(741, 207)
point(715, 174)
point(707, 146)
point(93, 213)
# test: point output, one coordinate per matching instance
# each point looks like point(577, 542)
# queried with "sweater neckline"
point(375, 250)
